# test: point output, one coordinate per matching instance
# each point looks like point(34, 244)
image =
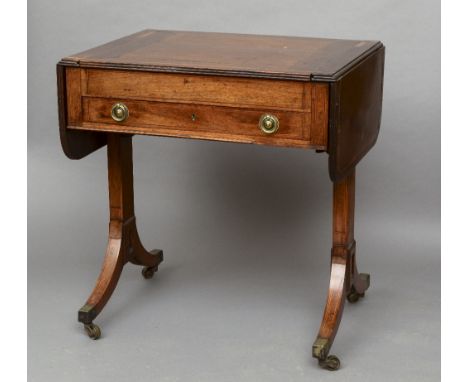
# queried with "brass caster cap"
point(148, 272)
point(331, 363)
point(94, 332)
point(354, 297)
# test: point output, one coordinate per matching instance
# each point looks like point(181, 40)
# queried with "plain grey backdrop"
point(245, 229)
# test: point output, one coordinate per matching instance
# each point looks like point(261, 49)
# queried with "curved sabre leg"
point(360, 283)
point(345, 281)
point(332, 314)
point(141, 256)
point(105, 285)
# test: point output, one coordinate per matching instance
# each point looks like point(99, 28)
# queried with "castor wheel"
point(354, 296)
point(93, 331)
point(148, 272)
point(331, 363)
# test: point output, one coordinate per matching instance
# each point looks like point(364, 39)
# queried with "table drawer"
point(186, 88)
point(229, 109)
point(165, 118)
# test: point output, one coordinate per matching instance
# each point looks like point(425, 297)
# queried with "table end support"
point(345, 280)
point(124, 243)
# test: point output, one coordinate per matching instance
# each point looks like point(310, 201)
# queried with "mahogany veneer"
point(313, 93)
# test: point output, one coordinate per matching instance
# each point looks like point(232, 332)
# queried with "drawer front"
point(215, 108)
point(164, 118)
point(227, 91)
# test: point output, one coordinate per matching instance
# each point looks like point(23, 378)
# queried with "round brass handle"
point(119, 112)
point(268, 123)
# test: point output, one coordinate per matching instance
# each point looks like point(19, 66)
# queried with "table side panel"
point(320, 93)
point(74, 96)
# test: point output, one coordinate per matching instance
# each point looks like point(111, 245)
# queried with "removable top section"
point(241, 55)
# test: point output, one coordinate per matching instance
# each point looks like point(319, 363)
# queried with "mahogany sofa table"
point(312, 93)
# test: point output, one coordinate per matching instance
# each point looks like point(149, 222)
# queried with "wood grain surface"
point(201, 107)
point(355, 114)
point(297, 58)
point(327, 92)
point(148, 116)
point(200, 89)
point(124, 243)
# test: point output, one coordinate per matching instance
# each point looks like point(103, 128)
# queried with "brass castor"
point(93, 331)
point(354, 296)
point(148, 272)
point(331, 363)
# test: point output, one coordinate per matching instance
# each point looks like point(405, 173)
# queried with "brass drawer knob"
point(268, 123)
point(119, 112)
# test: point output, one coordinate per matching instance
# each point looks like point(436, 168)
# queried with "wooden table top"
point(241, 55)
